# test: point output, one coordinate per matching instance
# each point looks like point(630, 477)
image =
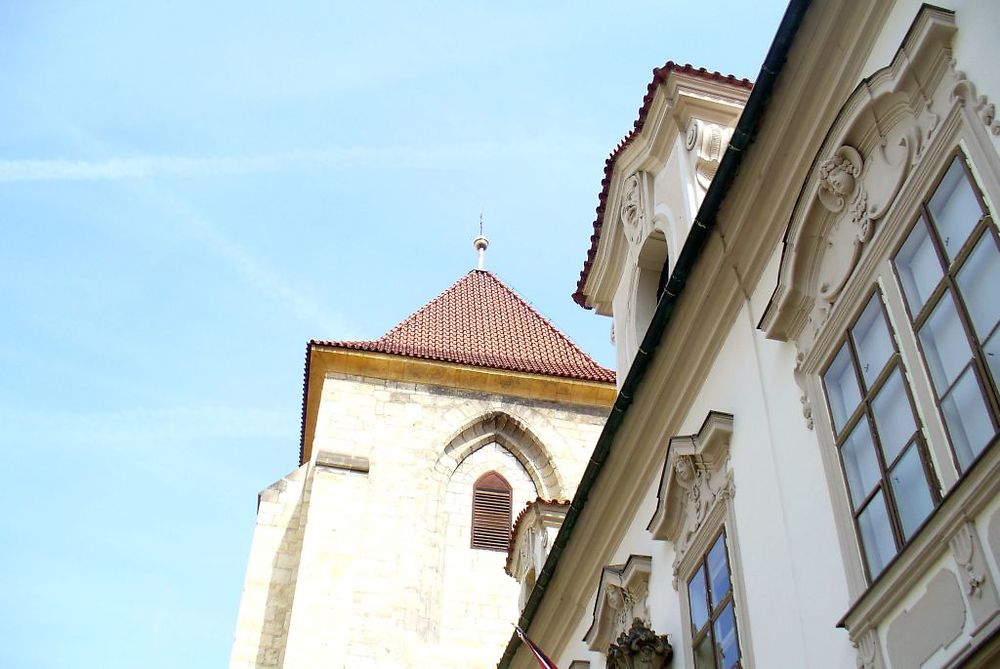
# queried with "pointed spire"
point(481, 243)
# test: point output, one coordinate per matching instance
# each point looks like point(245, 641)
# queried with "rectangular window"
point(882, 452)
point(949, 269)
point(715, 641)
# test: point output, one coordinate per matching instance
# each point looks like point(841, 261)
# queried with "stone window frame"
point(876, 273)
point(889, 141)
point(695, 504)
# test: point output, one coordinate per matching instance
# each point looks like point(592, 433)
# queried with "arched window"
point(491, 511)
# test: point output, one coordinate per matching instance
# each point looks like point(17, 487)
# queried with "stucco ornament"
point(838, 178)
point(964, 93)
point(706, 485)
point(861, 191)
point(963, 547)
point(640, 648)
point(632, 213)
point(708, 141)
point(800, 381)
point(867, 647)
point(622, 598)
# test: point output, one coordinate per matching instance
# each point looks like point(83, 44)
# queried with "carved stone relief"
point(933, 622)
point(640, 648)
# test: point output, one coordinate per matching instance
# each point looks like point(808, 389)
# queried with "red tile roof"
point(480, 321)
point(659, 76)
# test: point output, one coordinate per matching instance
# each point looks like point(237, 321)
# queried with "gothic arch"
point(515, 437)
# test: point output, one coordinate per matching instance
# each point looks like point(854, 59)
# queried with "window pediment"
point(881, 132)
point(694, 476)
point(621, 599)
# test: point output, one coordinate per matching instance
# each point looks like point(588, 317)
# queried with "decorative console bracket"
point(640, 648)
point(621, 600)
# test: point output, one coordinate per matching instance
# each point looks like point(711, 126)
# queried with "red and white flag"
point(543, 661)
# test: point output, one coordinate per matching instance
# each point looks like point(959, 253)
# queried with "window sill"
point(969, 496)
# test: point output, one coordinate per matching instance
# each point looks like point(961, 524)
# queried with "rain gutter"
point(742, 137)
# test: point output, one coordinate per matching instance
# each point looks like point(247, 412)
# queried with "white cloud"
point(440, 157)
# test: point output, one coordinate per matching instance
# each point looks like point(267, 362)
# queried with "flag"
point(543, 661)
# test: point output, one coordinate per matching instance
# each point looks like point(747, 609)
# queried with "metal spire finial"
point(481, 243)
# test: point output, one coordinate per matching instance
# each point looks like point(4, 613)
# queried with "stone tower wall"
point(379, 568)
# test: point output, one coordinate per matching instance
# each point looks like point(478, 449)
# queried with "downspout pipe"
point(742, 137)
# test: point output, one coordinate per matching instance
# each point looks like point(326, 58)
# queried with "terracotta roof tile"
point(480, 321)
point(659, 76)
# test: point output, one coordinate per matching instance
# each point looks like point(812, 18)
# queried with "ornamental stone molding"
point(964, 93)
point(640, 648)
point(534, 531)
point(696, 481)
point(633, 209)
point(621, 601)
point(707, 142)
point(869, 654)
point(879, 136)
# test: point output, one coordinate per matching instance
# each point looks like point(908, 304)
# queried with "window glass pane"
point(946, 347)
point(893, 416)
point(979, 280)
point(872, 340)
point(991, 349)
point(704, 654)
point(954, 208)
point(718, 571)
point(968, 419)
point(841, 388)
point(876, 535)
point(913, 496)
point(860, 462)
point(726, 643)
point(698, 598)
point(919, 267)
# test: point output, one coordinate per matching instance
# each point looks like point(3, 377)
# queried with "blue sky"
point(190, 191)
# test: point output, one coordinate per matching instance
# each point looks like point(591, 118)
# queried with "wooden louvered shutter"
point(491, 509)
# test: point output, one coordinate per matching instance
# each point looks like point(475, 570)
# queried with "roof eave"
point(750, 119)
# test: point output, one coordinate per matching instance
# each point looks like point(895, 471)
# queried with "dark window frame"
point(864, 411)
point(948, 284)
point(714, 612)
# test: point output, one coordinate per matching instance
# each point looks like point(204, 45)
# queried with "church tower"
point(386, 547)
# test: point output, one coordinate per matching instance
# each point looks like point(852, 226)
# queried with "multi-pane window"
point(949, 268)
point(491, 512)
point(881, 448)
point(715, 642)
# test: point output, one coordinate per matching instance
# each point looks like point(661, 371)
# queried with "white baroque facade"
point(805, 469)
